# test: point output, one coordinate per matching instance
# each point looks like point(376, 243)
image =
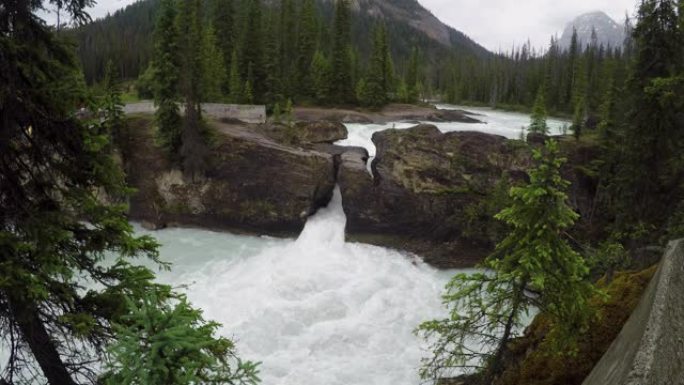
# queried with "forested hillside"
point(126, 36)
point(575, 78)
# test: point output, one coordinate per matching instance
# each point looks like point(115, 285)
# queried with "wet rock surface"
point(253, 184)
point(424, 189)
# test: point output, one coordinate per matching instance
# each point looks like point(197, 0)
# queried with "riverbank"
point(430, 189)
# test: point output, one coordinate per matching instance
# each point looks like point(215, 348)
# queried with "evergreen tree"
point(274, 75)
point(650, 167)
point(166, 77)
point(194, 151)
point(56, 229)
point(579, 118)
point(573, 54)
point(533, 267)
point(163, 340)
point(252, 59)
point(288, 46)
point(306, 47)
point(320, 72)
point(236, 83)
point(373, 90)
point(538, 125)
point(213, 70)
point(224, 21)
point(412, 80)
point(113, 106)
point(341, 86)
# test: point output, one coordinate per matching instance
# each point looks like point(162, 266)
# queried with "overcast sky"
point(493, 23)
point(501, 23)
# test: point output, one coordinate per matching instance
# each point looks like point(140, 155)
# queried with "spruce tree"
point(321, 74)
point(166, 67)
point(412, 80)
point(579, 118)
point(538, 124)
point(251, 51)
point(533, 267)
point(650, 164)
point(223, 20)
point(288, 46)
point(236, 83)
point(194, 151)
point(56, 229)
point(306, 47)
point(213, 70)
point(274, 90)
point(341, 86)
point(177, 346)
point(373, 90)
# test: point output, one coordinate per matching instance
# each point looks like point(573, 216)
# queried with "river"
point(318, 310)
point(507, 124)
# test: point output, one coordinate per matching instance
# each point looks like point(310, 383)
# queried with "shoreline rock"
point(428, 193)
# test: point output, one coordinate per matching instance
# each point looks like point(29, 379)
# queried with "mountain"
point(608, 31)
point(126, 36)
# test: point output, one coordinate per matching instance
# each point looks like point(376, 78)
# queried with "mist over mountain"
point(608, 31)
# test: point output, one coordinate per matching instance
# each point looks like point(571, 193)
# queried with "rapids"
point(508, 124)
point(316, 310)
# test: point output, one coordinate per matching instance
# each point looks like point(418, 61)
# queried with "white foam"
point(507, 124)
point(315, 310)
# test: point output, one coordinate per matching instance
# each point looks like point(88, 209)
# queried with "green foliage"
point(213, 70)
point(277, 113)
point(579, 118)
point(236, 84)
point(320, 72)
point(163, 340)
point(374, 89)
point(145, 84)
point(113, 106)
point(166, 76)
point(538, 125)
point(412, 79)
point(524, 273)
point(647, 162)
point(289, 109)
point(223, 19)
point(57, 174)
point(341, 59)
point(306, 47)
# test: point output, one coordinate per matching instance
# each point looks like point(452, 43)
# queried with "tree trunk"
point(32, 328)
point(495, 367)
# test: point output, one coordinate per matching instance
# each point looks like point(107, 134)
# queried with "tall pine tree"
point(341, 87)
point(166, 74)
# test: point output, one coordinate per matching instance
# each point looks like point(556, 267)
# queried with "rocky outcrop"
point(429, 192)
point(320, 131)
point(650, 347)
point(253, 184)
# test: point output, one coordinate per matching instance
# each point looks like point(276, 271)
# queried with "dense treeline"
point(250, 54)
point(636, 98)
point(293, 40)
point(577, 75)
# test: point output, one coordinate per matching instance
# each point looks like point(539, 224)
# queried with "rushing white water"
point(315, 310)
point(508, 124)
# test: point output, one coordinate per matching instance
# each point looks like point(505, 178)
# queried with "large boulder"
point(253, 183)
point(430, 193)
point(321, 131)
